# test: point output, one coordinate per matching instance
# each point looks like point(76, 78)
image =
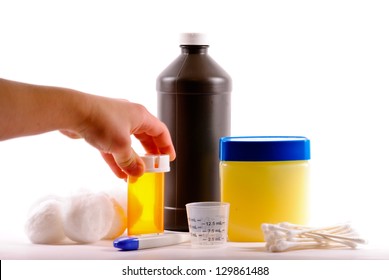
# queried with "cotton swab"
point(286, 236)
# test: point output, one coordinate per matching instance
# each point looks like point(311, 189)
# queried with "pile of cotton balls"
point(85, 217)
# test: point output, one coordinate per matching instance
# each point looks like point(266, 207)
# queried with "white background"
point(319, 69)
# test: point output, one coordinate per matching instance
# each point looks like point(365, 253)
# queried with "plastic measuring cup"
point(208, 223)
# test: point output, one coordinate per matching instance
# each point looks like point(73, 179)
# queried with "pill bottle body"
point(145, 207)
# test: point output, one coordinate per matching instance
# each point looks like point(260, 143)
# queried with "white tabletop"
point(20, 248)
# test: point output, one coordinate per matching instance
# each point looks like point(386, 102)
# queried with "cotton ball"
point(119, 222)
point(88, 217)
point(120, 195)
point(46, 198)
point(119, 200)
point(44, 223)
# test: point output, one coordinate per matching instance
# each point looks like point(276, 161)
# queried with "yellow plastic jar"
point(265, 180)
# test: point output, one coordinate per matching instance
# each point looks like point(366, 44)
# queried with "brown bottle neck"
point(194, 49)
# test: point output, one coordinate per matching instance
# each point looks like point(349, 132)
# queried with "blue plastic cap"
point(264, 148)
point(126, 243)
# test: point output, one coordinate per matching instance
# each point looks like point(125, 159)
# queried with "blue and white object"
point(131, 243)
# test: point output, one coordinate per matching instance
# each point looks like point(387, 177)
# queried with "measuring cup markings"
point(208, 227)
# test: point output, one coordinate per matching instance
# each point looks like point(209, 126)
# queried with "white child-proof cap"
point(156, 163)
point(200, 39)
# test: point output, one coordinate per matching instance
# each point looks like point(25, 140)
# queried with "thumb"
point(130, 162)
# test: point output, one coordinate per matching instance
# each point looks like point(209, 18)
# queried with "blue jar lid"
point(264, 148)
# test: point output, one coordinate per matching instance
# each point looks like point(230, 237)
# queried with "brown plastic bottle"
point(194, 101)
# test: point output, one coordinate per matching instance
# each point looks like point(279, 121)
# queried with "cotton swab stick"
point(287, 236)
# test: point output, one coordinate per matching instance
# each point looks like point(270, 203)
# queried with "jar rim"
point(264, 148)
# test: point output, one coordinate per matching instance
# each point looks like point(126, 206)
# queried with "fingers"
point(109, 130)
point(124, 164)
point(129, 162)
point(155, 137)
point(114, 167)
point(70, 134)
point(157, 145)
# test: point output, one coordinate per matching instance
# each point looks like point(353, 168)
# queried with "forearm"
point(30, 109)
